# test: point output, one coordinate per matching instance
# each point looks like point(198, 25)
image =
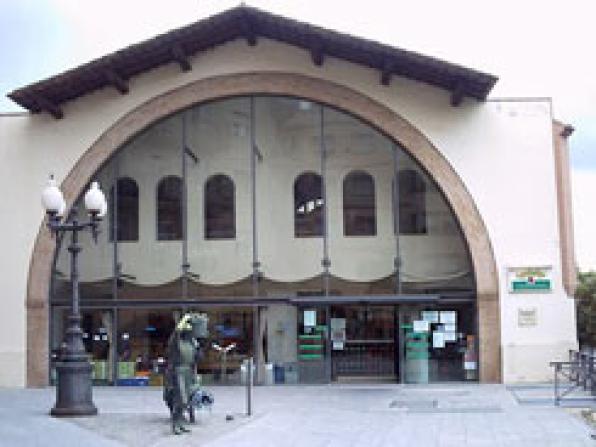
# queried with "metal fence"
point(578, 373)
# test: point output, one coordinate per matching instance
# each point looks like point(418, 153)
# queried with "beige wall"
point(502, 151)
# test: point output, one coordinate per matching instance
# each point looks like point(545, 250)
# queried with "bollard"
point(584, 370)
point(557, 368)
point(249, 387)
point(590, 380)
point(224, 366)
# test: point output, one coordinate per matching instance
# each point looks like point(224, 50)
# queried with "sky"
point(536, 48)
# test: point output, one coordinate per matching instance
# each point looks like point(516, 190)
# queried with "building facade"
point(340, 209)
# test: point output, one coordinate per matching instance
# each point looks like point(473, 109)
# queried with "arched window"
point(169, 209)
point(308, 205)
point(412, 202)
point(359, 205)
point(127, 210)
point(220, 218)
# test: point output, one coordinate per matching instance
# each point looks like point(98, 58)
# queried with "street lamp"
point(73, 387)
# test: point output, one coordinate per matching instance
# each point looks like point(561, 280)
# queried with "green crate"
point(126, 370)
point(100, 370)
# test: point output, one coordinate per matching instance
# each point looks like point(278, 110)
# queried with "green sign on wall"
point(530, 279)
point(536, 284)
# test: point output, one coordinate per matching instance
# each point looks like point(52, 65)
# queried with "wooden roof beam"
point(316, 52)
point(458, 93)
point(318, 57)
point(251, 38)
point(47, 105)
point(117, 81)
point(567, 131)
point(386, 73)
point(180, 56)
point(247, 29)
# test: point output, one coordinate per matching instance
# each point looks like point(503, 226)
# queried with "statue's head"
point(194, 323)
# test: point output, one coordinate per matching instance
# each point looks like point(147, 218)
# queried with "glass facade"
point(315, 244)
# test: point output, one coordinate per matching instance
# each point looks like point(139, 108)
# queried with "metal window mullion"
point(115, 345)
point(185, 266)
point(397, 260)
point(116, 267)
point(253, 189)
point(255, 247)
point(326, 262)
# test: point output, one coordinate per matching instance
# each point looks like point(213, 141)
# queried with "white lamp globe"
point(104, 209)
point(95, 201)
point(62, 209)
point(52, 198)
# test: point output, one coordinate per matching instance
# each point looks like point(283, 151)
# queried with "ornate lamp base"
point(73, 389)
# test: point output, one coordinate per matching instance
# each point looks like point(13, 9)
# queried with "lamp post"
point(73, 387)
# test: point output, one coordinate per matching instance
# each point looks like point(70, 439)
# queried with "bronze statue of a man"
point(180, 381)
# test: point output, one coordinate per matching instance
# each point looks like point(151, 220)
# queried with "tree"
point(585, 296)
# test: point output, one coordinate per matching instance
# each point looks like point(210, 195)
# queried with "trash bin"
point(269, 374)
point(279, 373)
point(291, 373)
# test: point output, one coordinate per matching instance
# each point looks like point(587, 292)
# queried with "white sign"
point(338, 345)
point(438, 339)
point(337, 323)
point(447, 316)
point(469, 366)
point(449, 327)
point(527, 317)
point(421, 326)
point(310, 318)
point(450, 337)
point(432, 316)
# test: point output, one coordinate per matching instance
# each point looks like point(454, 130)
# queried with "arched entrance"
point(324, 92)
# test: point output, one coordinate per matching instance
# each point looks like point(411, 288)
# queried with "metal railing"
point(578, 373)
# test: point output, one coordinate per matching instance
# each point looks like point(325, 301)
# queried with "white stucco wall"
point(502, 151)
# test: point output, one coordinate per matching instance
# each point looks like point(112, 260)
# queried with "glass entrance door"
point(363, 342)
point(312, 344)
point(438, 343)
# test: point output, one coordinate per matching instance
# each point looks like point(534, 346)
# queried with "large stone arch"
point(378, 115)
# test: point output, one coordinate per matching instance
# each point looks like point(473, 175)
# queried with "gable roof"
point(243, 22)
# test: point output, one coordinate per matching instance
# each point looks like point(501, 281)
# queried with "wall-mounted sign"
point(310, 318)
point(438, 339)
point(432, 316)
point(527, 317)
point(448, 316)
point(421, 326)
point(530, 279)
point(338, 333)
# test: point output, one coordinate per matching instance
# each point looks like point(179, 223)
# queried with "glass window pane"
point(219, 202)
point(433, 251)
point(220, 219)
point(127, 212)
point(362, 246)
point(289, 197)
point(142, 341)
point(308, 205)
point(231, 328)
point(169, 209)
point(359, 205)
point(152, 268)
point(412, 202)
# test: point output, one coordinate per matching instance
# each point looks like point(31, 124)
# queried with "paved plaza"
point(327, 415)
